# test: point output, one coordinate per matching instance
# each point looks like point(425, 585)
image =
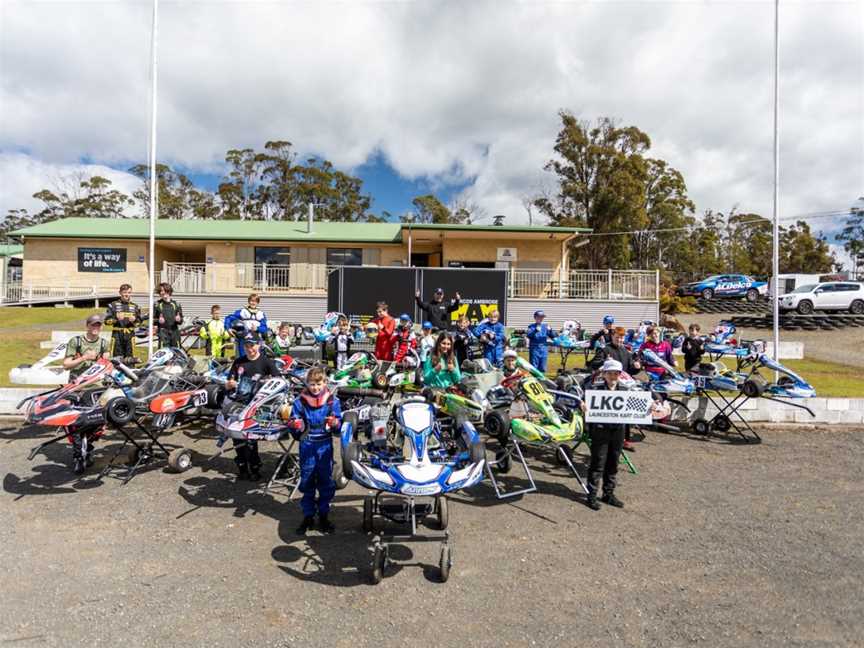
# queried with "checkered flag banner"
point(637, 405)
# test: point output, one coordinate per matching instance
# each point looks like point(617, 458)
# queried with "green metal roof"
point(7, 250)
point(138, 228)
point(253, 230)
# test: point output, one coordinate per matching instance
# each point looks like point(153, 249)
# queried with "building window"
point(344, 256)
point(273, 255)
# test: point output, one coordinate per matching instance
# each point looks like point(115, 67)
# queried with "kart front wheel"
point(367, 515)
point(503, 461)
point(721, 423)
point(339, 477)
point(707, 294)
point(120, 410)
point(349, 454)
point(443, 513)
point(497, 425)
point(701, 426)
point(180, 460)
point(444, 563)
point(805, 307)
point(378, 559)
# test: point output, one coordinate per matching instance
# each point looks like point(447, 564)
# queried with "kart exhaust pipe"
point(360, 391)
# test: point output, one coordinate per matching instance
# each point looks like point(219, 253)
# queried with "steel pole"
point(776, 234)
point(153, 184)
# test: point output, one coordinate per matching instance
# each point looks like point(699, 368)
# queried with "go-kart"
point(426, 464)
point(321, 333)
point(364, 371)
point(671, 381)
point(525, 413)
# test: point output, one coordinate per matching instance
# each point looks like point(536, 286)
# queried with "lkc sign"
point(618, 406)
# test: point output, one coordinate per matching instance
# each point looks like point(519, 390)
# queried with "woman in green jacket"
point(440, 368)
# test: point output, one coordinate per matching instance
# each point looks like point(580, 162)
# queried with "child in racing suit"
point(462, 338)
point(314, 415)
point(492, 334)
point(403, 339)
point(538, 335)
point(251, 319)
point(341, 341)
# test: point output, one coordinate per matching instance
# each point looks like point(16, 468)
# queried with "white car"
point(832, 295)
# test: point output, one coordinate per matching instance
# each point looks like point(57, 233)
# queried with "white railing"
point(15, 292)
point(297, 277)
point(184, 277)
point(584, 284)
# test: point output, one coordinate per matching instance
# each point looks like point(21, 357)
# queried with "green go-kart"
point(364, 371)
point(528, 416)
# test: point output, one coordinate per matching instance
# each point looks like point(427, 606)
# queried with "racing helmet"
point(608, 319)
point(371, 330)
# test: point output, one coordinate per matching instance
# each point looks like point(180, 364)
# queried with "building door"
point(420, 260)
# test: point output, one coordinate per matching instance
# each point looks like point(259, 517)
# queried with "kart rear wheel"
point(700, 426)
point(378, 559)
point(805, 307)
point(721, 423)
point(444, 563)
point(503, 461)
point(497, 425)
point(349, 454)
point(368, 521)
point(180, 460)
point(379, 381)
point(443, 512)
point(120, 410)
point(752, 295)
point(754, 386)
point(707, 294)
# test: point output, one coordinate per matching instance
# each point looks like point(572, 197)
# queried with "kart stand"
point(407, 511)
point(727, 408)
point(503, 462)
point(287, 473)
point(139, 454)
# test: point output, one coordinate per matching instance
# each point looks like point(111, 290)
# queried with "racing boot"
point(610, 499)
point(325, 524)
point(243, 473)
point(307, 523)
point(255, 473)
point(591, 502)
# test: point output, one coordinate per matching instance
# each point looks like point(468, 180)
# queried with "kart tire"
point(339, 477)
point(477, 452)
point(503, 461)
point(379, 557)
point(120, 410)
point(700, 426)
point(721, 423)
point(857, 307)
point(497, 425)
point(379, 381)
point(444, 563)
point(368, 516)
point(443, 512)
point(132, 455)
point(349, 454)
point(805, 307)
point(753, 387)
point(707, 294)
point(215, 396)
point(562, 450)
point(180, 460)
point(752, 295)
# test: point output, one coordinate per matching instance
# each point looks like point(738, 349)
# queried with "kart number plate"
point(412, 489)
point(699, 382)
point(199, 398)
point(364, 412)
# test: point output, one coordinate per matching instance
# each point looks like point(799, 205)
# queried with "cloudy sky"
point(460, 98)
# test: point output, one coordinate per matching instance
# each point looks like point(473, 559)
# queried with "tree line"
point(603, 177)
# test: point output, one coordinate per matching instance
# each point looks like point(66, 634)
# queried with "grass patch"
point(17, 316)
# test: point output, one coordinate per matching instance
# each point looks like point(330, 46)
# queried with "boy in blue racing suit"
point(248, 319)
point(492, 336)
point(538, 335)
point(314, 414)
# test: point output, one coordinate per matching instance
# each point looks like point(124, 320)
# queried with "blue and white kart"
point(429, 464)
point(726, 285)
point(329, 326)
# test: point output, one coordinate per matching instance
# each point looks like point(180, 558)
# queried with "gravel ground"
point(845, 346)
point(728, 545)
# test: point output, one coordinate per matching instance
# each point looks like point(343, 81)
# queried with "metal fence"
point(616, 285)
point(18, 292)
point(302, 278)
point(185, 277)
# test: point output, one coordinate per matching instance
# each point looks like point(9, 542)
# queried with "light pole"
point(776, 228)
point(153, 184)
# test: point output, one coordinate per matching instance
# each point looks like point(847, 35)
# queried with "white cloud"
point(21, 176)
point(449, 91)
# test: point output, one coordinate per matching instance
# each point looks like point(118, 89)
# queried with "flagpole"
point(776, 232)
point(153, 184)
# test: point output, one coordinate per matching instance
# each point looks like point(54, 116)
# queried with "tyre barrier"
point(732, 306)
point(796, 322)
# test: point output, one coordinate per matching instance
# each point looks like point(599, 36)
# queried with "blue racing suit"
point(492, 337)
point(538, 344)
point(253, 320)
point(316, 450)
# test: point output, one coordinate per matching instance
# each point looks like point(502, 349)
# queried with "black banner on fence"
point(355, 290)
point(101, 259)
